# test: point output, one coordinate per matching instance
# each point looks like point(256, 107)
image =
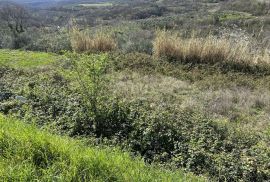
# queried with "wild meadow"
point(135, 91)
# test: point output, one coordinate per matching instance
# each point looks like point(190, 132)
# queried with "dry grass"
point(206, 50)
point(100, 42)
point(154, 88)
point(247, 107)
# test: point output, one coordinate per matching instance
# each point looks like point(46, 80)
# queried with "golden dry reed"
point(206, 50)
point(81, 41)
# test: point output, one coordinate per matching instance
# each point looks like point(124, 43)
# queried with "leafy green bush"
point(21, 40)
point(190, 140)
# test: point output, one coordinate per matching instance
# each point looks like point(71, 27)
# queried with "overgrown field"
point(205, 118)
point(135, 90)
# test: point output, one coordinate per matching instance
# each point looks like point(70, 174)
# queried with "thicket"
point(37, 40)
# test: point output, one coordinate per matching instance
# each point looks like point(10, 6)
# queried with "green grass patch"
point(28, 154)
point(26, 59)
point(233, 15)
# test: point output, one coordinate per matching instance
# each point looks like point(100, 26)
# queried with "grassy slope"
point(237, 97)
point(23, 59)
point(29, 154)
point(205, 84)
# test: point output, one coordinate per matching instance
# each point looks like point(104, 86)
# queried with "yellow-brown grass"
point(206, 50)
point(100, 42)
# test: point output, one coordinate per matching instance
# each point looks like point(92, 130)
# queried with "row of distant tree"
point(14, 17)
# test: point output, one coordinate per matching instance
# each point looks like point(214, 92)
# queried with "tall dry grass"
point(82, 41)
point(206, 50)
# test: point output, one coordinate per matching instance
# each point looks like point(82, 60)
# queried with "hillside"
point(136, 90)
point(202, 118)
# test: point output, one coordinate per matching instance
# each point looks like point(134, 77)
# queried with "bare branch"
point(15, 17)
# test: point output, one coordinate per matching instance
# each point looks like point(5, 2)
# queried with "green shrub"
point(21, 40)
point(190, 140)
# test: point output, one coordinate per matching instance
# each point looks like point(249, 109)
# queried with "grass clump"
point(27, 154)
point(99, 42)
point(210, 50)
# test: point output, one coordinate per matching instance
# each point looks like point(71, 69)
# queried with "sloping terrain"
point(135, 90)
point(28, 154)
point(204, 118)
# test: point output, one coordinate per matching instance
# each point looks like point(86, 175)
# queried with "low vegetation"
point(133, 76)
point(28, 154)
point(76, 97)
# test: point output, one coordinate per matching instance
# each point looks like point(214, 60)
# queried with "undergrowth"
point(28, 154)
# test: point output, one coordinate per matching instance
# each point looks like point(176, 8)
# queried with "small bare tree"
point(15, 17)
